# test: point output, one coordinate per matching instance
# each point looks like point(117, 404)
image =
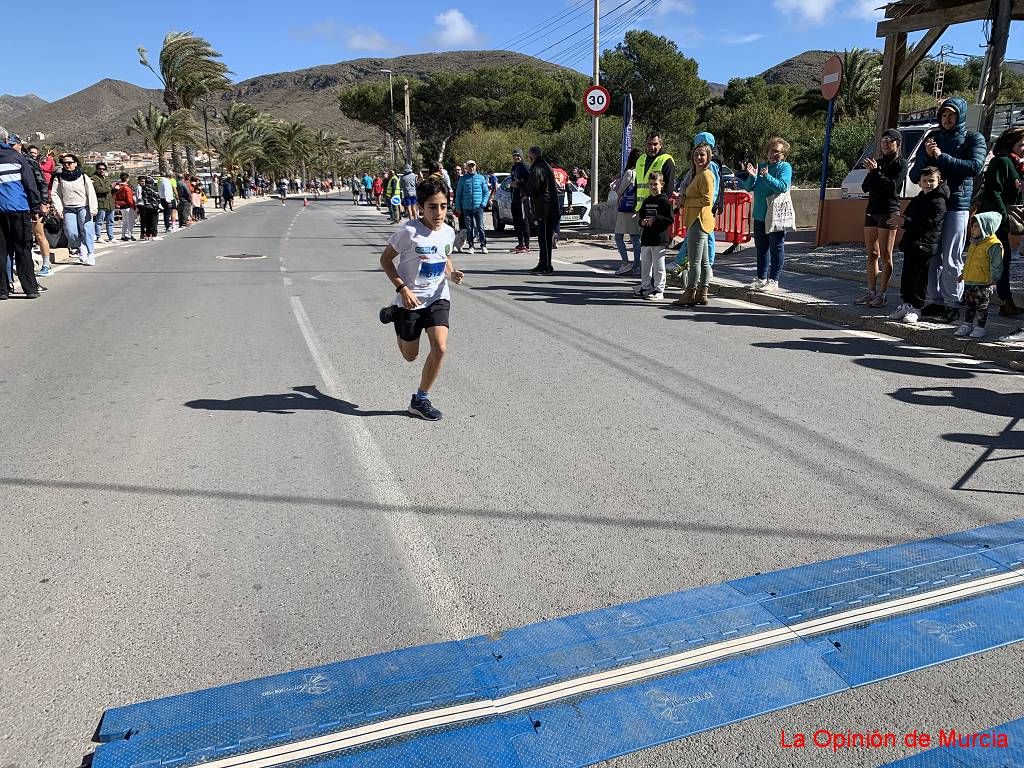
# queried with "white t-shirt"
point(422, 257)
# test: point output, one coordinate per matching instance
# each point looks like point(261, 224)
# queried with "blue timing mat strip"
point(237, 719)
point(1012, 756)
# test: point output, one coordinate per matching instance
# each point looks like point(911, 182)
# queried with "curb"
point(922, 334)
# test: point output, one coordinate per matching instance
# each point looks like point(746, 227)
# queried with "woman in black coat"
point(884, 183)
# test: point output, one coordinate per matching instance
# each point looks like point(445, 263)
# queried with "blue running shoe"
point(421, 407)
point(44, 272)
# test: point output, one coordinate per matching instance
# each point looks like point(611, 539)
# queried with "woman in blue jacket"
point(766, 180)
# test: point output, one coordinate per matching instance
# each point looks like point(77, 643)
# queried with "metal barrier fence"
point(732, 224)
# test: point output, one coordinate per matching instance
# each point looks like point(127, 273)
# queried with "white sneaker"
point(963, 329)
point(1017, 337)
point(624, 269)
point(757, 284)
point(470, 250)
point(483, 249)
point(771, 286)
point(912, 316)
point(978, 333)
point(899, 313)
point(654, 296)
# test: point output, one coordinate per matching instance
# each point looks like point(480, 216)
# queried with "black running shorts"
point(409, 323)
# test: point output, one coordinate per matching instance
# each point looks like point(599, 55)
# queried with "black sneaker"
point(387, 314)
point(947, 315)
point(31, 295)
point(421, 407)
point(932, 310)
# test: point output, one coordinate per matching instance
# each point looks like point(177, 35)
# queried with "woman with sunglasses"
point(74, 198)
point(883, 184)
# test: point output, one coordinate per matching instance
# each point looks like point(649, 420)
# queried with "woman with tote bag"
point(773, 212)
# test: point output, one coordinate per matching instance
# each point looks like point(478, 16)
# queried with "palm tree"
point(237, 115)
point(189, 71)
point(327, 150)
point(160, 131)
point(858, 94)
point(235, 150)
point(293, 141)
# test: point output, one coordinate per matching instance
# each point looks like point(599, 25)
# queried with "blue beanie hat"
point(704, 138)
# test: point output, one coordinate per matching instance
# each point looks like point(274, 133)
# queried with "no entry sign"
point(831, 77)
point(596, 100)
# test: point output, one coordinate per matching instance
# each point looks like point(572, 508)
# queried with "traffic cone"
point(305, 202)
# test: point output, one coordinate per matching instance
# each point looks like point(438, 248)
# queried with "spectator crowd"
point(956, 241)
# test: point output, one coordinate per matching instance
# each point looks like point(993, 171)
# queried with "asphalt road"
point(208, 475)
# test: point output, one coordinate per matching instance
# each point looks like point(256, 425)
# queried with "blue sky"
point(729, 38)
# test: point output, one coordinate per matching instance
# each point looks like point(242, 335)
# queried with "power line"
point(545, 27)
point(581, 29)
point(569, 55)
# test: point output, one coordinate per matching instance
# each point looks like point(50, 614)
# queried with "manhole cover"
point(242, 256)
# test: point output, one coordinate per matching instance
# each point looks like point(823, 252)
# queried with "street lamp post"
point(209, 112)
point(391, 90)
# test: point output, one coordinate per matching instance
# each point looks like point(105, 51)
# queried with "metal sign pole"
point(593, 188)
point(825, 153)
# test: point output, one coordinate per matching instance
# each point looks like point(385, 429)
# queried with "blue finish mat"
point(237, 719)
point(973, 757)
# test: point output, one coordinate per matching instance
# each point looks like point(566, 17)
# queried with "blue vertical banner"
point(627, 131)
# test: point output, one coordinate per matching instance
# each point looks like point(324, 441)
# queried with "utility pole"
point(594, 188)
point(408, 127)
point(940, 73)
point(391, 90)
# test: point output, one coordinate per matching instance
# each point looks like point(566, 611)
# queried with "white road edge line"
point(398, 726)
point(439, 588)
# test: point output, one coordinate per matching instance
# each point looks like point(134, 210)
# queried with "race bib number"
point(431, 273)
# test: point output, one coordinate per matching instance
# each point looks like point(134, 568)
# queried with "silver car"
point(578, 213)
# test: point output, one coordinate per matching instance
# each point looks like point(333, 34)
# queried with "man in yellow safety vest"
point(655, 161)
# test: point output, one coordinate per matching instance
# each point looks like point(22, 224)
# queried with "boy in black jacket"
point(922, 233)
point(655, 218)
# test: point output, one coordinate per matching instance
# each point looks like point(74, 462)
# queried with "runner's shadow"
point(307, 398)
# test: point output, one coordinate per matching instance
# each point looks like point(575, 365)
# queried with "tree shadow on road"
point(307, 398)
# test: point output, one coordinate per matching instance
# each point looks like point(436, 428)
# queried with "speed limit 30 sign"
point(596, 100)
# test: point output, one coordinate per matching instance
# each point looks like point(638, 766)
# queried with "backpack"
point(716, 206)
point(627, 203)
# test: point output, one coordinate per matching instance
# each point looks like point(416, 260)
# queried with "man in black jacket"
point(542, 190)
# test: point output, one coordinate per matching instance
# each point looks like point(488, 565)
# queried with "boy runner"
point(423, 248)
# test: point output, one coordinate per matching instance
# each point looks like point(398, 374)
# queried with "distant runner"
point(423, 248)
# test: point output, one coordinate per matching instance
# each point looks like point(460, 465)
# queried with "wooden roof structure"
point(936, 16)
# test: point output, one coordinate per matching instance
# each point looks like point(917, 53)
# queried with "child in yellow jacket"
point(982, 268)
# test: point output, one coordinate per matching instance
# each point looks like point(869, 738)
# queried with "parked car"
point(576, 214)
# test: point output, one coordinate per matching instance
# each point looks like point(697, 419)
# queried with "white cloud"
point(812, 11)
point(454, 30)
point(676, 6)
point(365, 39)
point(744, 39)
point(871, 10)
point(327, 29)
